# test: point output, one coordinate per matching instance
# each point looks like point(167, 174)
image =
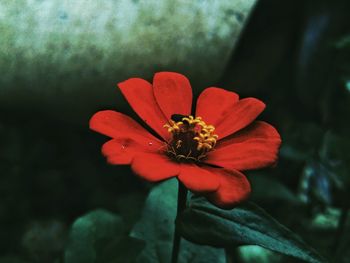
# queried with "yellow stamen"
point(203, 138)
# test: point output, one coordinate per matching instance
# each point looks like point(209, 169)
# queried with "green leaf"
point(122, 250)
point(157, 225)
point(90, 234)
point(327, 220)
point(247, 224)
point(257, 254)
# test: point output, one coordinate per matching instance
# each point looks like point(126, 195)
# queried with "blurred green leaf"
point(343, 43)
point(122, 250)
point(44, 241)
point(327, 220)
point(156, 227)
point(347, 85)
point(246, 224)
point(90, 234)
point(257, 254)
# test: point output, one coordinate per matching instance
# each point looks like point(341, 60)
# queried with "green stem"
point(181, 205)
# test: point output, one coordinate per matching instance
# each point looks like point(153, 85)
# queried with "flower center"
point(191, 138)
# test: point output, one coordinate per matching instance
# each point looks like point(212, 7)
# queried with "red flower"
point(207, 159)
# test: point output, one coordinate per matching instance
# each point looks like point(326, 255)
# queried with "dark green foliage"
point(246, 224)
point(99, 237)
point(156, 227)
point(89, 234)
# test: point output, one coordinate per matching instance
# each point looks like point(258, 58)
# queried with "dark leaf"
point(122, 250)
point(156, 227)
point(90, 234)
point(247, 224)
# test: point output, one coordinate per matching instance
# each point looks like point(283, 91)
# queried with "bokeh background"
point(60, 62)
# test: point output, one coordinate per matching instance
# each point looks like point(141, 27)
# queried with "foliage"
point(156, 227)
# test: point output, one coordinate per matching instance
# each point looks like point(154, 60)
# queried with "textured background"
point(55, 52)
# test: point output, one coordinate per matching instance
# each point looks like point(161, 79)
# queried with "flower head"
point(207, 151)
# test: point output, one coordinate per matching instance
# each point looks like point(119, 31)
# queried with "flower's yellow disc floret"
point(191, 139)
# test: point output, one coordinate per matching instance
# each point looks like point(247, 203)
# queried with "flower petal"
point(117, 125)
point(241, 114)
point(123, 150)
point(128, 136)
point(139, 94)
point(214, 104)
point(197, 179)
point(154, 167)
point(234, 188)
point(173, 93)
point(252, 148)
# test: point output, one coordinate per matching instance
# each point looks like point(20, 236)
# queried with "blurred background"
point(60, 62)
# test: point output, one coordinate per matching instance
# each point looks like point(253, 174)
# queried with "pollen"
point(191, 138)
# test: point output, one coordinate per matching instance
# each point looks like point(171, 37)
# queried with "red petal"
point(214, 104)
point(117, 125)
point(197, 179)
point(139, 94)
point(234, 188)
point(241, 114)
point(129, 137)
point(173, 93)
point(123, 150)
point(154, 167)
point(252, 148)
